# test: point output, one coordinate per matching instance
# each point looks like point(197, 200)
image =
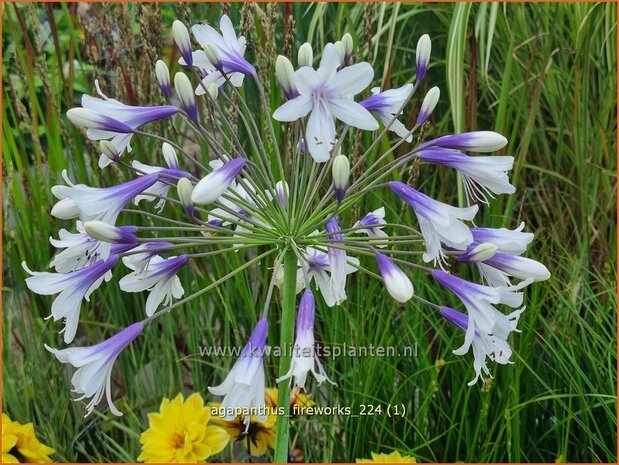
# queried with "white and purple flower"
point(326, 94)
point(72, 288)
point(386, 104)
point(304, 358)
point(243, 388)
point(481, 174)
point(440, 223)
point(159, 278)
point(109, 119)
point(372, 224)
point(94, 366)
point(214, 184)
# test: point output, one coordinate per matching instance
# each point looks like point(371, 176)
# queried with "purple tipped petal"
point(461, 320)
point(306, 314)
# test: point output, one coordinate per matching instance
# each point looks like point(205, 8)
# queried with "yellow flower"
point(394, 457)
point(18, 439)
point(180, 432)
point(299, 401)
point(257, 438)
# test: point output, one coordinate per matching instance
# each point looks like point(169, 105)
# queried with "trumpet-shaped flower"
point(479, 301)
point(108, 119)
point(337, 259)
point(72, 288)
point(397, 283)
point(387, 104)
point(159, 278)
point(304, 358)
point(476, 141)
point(493, 346)
point(80, 250)
point(509, 241)
point(214, 184)
point(372, 224)
point(94, 366)
point(480, 174)
point(229, 50)
point(497, 269)
point(103, 203)
point(327, 94)
point(439, 222)
point(243, 388)
point(140, 256)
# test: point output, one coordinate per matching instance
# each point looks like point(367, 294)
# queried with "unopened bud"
point(163, 77)
point(169, 155)
point(341, 174)
point(479, 253)
point(306, 55)
point(183, 41)
point(212, 55)
point(424, 48)
point(185, 189)
point(104, 232)
point(213, 91)
point(341, 51)
point(285, 76)
point(348, 47)
point(109, 150)
point(428, 105)
point(184, 90)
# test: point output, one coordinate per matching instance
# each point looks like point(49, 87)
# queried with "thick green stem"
point(285, 341)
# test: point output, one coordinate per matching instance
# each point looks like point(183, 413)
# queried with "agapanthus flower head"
point(246, 187)
point(92, 380)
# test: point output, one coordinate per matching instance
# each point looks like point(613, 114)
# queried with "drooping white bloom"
point(214, 184)
point(244, 386)
point(94, 366)
point(493, 346)
point(304, 358)
point(159, 278)
point(80, 250)
point(479, 301)
point(386, 104)
point(326, 94)
point(230, 51)
point(482, 176)
point(397, 283)
point(373, 224)
point(107, 118)
point(72, 288)
point(338, 261)
point(439, 222)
